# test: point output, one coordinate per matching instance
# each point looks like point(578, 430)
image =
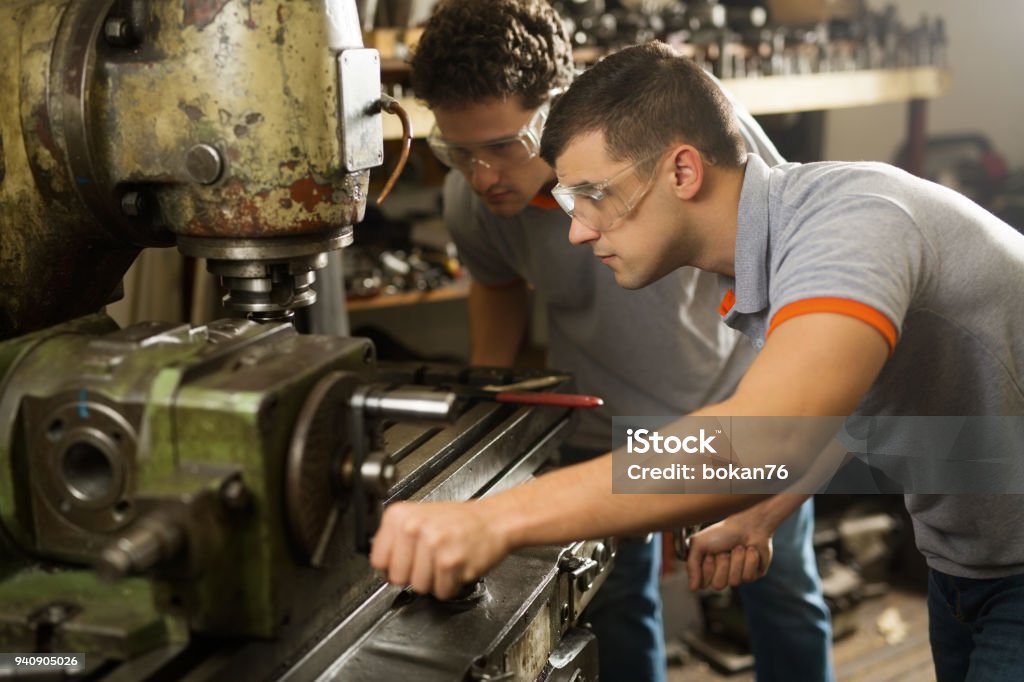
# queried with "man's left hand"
point(729, 553)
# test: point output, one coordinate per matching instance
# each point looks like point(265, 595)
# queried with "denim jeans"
point(625, 615)
point(789, 623)
point(976, 628)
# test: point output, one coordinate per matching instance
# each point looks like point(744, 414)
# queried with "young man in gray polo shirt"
point(871, 291)
point(487, 69)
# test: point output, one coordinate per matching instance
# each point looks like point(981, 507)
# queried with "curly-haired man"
point(488, 70)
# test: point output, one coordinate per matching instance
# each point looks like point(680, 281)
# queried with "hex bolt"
point(117, 31)
point(204, 164)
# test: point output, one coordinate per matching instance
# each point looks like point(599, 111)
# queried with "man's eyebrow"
point(578, 183)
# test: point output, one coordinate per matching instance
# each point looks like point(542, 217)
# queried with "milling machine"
point(185, 502)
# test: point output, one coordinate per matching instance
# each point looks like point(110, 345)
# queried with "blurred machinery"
point(970, 164)
point(857, 545)
point(393, 256)
point(196, 503)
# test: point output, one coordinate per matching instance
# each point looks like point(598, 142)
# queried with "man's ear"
point(688, 171)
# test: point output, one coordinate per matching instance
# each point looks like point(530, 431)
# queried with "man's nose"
point(579, 233)
point(482, 177)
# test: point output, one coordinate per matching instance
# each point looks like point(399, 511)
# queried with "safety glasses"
point(600, 205)
point(500, 154)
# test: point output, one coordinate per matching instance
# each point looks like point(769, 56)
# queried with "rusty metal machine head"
point(243, 131)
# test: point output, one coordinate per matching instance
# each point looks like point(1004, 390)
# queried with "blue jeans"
point(976, 628)
point(625, 615)
point(789, 623)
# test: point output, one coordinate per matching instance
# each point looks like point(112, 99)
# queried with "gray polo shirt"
point(941, 278)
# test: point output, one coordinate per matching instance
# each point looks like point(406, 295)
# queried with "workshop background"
point(407, 292)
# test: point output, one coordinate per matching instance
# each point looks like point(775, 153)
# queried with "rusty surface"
point(243, 212)
point(56, 260)
point(257, 82)
point(308, 192)
point(201, 13)
point(254, 80)
point(47, 164)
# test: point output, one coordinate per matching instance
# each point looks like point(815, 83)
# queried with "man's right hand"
point(437, 547)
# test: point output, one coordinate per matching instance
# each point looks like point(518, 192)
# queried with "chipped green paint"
point(11, 353)
point(199, 412)
point(118, 620)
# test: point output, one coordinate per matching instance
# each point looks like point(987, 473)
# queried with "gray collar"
point(752, 221)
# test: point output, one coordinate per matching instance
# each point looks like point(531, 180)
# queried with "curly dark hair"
point(643, 99)
point(474, 50)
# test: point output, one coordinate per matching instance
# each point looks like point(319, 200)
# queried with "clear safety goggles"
point(600, 205)
point(499, 154)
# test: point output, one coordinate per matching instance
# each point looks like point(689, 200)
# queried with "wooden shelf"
point(780, 94)
point(456, 290)
point(821, 91)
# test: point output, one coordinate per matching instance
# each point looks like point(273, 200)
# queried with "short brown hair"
point(645, 98)
point(475, 50)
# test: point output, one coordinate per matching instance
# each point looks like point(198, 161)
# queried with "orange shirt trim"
point(728, 301)
point(543, 200)
point(841, 306)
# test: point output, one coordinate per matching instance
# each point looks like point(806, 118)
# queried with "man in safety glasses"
point(489, 70)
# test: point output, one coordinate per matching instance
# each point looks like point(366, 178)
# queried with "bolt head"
point(117, 31)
